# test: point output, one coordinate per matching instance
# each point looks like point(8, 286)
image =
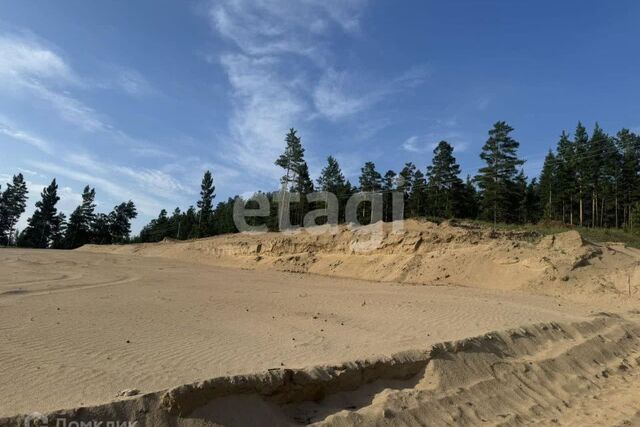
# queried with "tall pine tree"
point(78, 231)
point(548, 185)
point(13, 201)
point(444, 185)
point(581, 147)
point(45, 220)
point(205, 204)
point(497, 179)
point(629, 177)
point(292, 159)
point(566, 178)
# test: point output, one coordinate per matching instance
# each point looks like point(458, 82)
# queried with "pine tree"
point(44, 221)
point(405, 178)
point(496, 179)
point(519, 199)
point(370, 179)
point(101, 230)
point(610, 173)
point(205, 204)
point(3, 220)
point(581, 147)
point(600, 164)
point(418, 196)
point(629, 177)
point(120, 221)
point(443, 182)
point(78, 231)
point(566, 178)
point(331, 178)
point(292, 159)
point(303, 186)
point(468, 204)
point(388, 186)
point(223, 216)
point(58, 227)
point(547, 186)
point(13, 202)
point(532, 202)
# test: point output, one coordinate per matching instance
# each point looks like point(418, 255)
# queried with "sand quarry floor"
point(440, 325)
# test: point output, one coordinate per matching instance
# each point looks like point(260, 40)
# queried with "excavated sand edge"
point(542, 358)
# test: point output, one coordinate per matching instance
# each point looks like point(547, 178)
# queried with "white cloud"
point(427, 143)
point(154, 181)
point(25, 137)
point(332, 100)
point(28, 66)
point(145, 203)
point(70, 109)
point(280, 67)
point(272, 27)
point(265, 106)
point(127, 80)
point(24, 58)
point(133, 83)
point(414, 145)
point(342, 94)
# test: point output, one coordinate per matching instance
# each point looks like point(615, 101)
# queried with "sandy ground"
point(234, 331)
point(77, 328)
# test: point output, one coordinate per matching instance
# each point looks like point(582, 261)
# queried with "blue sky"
point(139, 98)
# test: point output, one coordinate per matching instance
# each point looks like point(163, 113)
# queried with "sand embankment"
point(420, 253)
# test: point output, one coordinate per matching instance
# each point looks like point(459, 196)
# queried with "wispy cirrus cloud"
point(148, 205)
point(282, 71)
point(24, 137)
point(25, 58)
point(274, 27)
point(343, 94)
point(426, 143)
point(26, 64)
point(265, 105)
point(124, 79)
point(270, 86)
point(155, 182)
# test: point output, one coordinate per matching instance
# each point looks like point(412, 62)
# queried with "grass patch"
point(597, 235)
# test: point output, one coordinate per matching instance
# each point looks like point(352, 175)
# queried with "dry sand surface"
point(441, 325)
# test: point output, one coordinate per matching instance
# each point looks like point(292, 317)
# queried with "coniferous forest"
point(589, 180)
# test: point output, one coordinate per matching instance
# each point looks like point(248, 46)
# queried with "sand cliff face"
point(420, 253)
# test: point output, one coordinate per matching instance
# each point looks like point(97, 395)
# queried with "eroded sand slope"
point(420, 253)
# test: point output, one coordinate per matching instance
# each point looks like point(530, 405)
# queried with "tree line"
point(588, 180)
point(49, 228)
point(593, 180)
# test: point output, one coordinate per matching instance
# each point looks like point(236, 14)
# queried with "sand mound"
point(420, 253)
point(544, 373)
